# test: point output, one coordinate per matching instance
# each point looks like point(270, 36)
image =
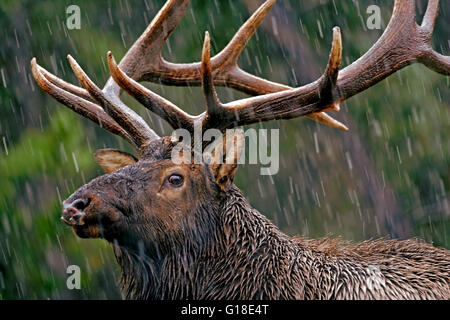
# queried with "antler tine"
point(228, 57)
point(67, 86)
point(125, 117)
point(145, 54)
point(78, 104)
point(213, 105)
point(328, 82)
point(324, 118)
point(240, 80)
point(437, 62)
point(317, 96)
point(430, 16)
point(176, 117)
point(433, 59)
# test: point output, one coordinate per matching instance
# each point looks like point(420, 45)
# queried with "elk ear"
point(112, 160)
point(224, 157)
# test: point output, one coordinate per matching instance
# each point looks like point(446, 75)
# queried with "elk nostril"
point(80, 204)
point(71, 211)
point(77, 219)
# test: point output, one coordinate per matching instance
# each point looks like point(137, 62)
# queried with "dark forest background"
point(389, 176)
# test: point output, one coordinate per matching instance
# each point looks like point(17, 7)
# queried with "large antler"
point(144, 62)
point(402, 43)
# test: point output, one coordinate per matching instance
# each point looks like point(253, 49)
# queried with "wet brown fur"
point(199, 242)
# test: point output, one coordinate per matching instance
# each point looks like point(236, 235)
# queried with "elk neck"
point(195, 264)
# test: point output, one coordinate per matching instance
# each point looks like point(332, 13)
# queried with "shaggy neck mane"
point(237, 253)
point(198, 265)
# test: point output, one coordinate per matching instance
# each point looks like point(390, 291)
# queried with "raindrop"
point(3, 77)
point(75, 162)
point(5, 146)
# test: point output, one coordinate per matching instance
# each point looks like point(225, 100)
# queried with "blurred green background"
point(388, 177)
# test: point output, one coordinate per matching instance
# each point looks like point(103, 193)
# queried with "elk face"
point(147, 200)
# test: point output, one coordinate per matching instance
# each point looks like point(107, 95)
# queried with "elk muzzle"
point(73, 213)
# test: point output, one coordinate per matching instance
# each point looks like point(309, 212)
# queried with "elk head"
point(151, 196)
point(153, 200)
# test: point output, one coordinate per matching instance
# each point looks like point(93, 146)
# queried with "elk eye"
point(176, 180)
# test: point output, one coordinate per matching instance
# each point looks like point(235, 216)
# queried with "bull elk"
point(184, 230)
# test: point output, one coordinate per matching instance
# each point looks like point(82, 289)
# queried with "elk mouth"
point(73, 220)
point(77, 219)
point(74, 213)
point(86, 220)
